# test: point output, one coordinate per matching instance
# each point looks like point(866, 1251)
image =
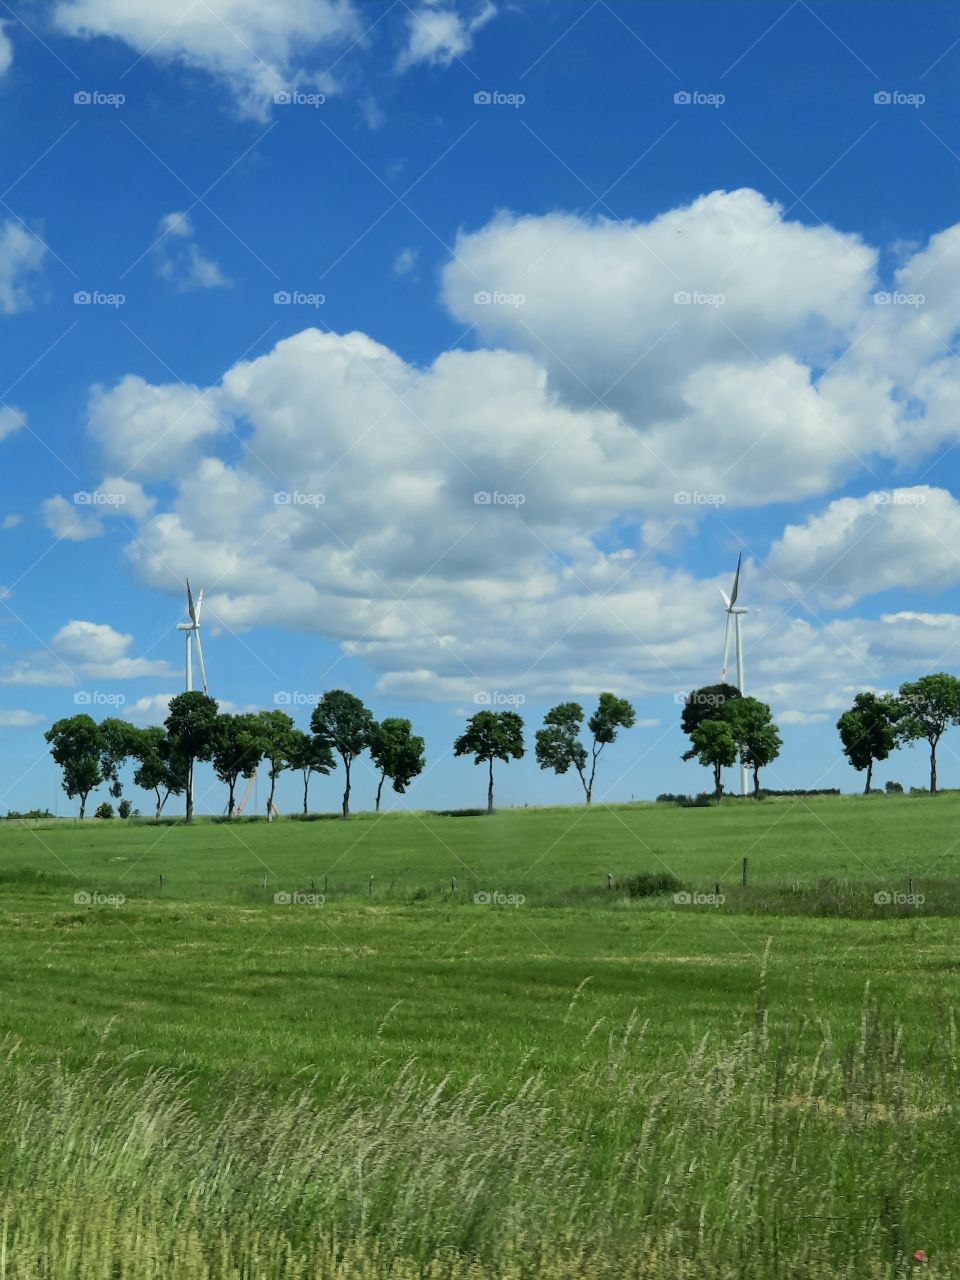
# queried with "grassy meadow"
point(308, 1049)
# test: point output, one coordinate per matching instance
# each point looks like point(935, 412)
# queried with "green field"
point(552, 1024)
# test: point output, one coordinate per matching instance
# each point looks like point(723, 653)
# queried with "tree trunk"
point(756, 782)
point(232, 783)
point(189, 811)
point(346, 790)
point(273, 787)
point(717, 784)
point(306, 784)
point(379, 789)
point(866, 789)
point(159, 805)
point(83, 804)
point(933, 768)
point(490, 788)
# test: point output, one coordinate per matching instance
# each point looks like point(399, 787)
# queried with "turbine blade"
point(736, 581)
point(726, 598)
point(203, 673)
point(199, 607)
point(726, 646)
point(190, 608)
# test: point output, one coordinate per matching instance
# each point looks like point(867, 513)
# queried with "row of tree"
point(878, 723)
point(91, 754)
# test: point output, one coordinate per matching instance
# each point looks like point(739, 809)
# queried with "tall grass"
point(802, 1155)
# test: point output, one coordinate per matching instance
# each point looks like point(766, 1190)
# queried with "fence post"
point(745, 866)
point(370, 888)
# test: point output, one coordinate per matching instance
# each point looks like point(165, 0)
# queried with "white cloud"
point(856, 547)
point(255, 49)
point(84, 651)
point(10, 719)
point(11, 521)
point(405, 263)
point(11, 420)
point(6, 50)
point(21, 256)
point(436, 34)
point(180, 259)
point(377, 540)
point(70, 522)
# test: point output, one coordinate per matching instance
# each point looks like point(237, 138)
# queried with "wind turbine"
point(736, 612)
point(191, 631)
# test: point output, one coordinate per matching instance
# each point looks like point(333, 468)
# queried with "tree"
point(558, 744)
point(397, 752)
point(757, 737)
point(117, 740)
point(236, 753)
point(715, 746)
point(275, 731)
point(489, 736)
point(703, 704)
point(192, 726)
point(310, 756)
point(103, 810)
point(343, 724)
point(927, 706)
point(162, 769)
point(75, 746)
point(868, 731)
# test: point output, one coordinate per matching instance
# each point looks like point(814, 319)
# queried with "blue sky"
point(811, 175)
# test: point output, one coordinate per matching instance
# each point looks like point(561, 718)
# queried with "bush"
point(803, 791)
point(701, 801)
point(124, 808)
point(104, 810)
point(650, 883)
point(894, 788)
point(31, 814)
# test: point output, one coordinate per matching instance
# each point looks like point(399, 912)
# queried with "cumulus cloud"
point(21, 256)
point(180, 259)
point(857, 547)
point(256, 50)
point(83, 650)
point(438, 33)
point(82, 518)
point(11, 420)
point(498, 518)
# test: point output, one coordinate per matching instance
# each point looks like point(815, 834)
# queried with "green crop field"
point(375, 1047)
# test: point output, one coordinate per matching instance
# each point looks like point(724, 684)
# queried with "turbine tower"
point(736, 612)
point(191, 632)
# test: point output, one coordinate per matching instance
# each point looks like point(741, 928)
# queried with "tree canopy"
point(343, 724)
point(489, 736)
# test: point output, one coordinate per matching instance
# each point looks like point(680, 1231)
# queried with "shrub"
point(650, 883)
point(31, 814)
point(894, 788)
point(124, 808)
point(104, 810)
